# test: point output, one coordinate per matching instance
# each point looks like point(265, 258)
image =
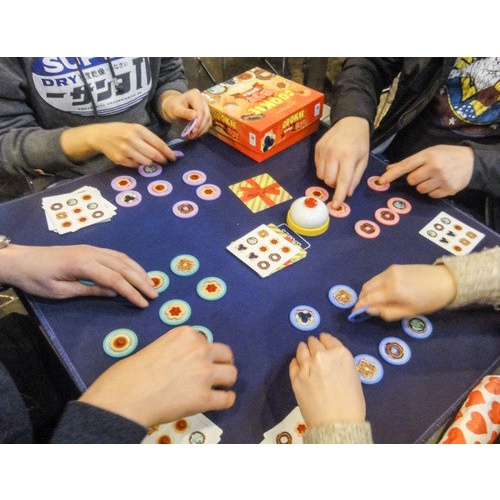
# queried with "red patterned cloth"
point(478, 421)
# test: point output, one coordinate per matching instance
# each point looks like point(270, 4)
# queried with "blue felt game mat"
point(407, 405)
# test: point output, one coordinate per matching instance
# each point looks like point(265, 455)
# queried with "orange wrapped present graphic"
point(260, 192)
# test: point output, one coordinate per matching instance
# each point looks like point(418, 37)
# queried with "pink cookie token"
point(399, 205)
point(373, 183)
point(318, 192)
point(367, 229)
point(343, 211)
point(386, 216)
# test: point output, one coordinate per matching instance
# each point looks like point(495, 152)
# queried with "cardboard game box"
point(261, 113)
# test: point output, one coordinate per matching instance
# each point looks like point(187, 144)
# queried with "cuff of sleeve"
point(476, 275)
point(82, 423)
point(339, 433)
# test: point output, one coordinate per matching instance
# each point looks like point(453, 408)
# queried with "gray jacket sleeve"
point(172, 77)
point(20, 137)
point(477, 276)
point(82, 423)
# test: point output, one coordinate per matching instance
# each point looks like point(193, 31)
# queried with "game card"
point(266, 250)
point(260, 192)
point(451, 234)
point(197, 429)
point(288, 431)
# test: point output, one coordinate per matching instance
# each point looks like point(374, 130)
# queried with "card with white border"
point(451, 234)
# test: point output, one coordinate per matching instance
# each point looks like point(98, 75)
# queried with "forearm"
point(78, 143)
point(477, 277)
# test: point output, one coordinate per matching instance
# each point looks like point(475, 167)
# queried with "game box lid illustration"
point(260, 113)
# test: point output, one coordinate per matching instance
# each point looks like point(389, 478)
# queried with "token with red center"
point(184, 265)
point(160, 280)
point(343, 211)
point(175, 312)
point(194, 177)
point(208, 192)
point(211, 288)
point(120, 342)
point(160, 188)
point(317, 192)
point(123, 182)
point(374, 183)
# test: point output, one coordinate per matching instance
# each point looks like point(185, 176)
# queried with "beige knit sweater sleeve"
point(339, 433)
point(477, 276)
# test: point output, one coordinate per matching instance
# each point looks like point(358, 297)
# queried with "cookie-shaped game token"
point(185, 209)
point(305, 318)
point(184, 265)
point(367, 229)
point(342, 296)
point(150, 170)
point(204, 331)
point(359, 315)
point(208, 192)
point(399, 205)
point(128, 198)
point(386, 216)
point(374, 183)
point(369, 368)
point(123, 183)
point(211, 288)
point(318, 192)
point(194, 177)
point(160, 280)
point(120, 342)
point(160, 188)
point(175, 312)
point(418, 327)
point(394, 350)
point(189, 127)
point(343, 211)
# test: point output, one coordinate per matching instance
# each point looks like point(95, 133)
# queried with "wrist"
point(166, 107)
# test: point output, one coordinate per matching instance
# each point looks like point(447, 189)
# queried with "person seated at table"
point(322, 373)
point(62, 117)
point(441, 128)
point(177, 375)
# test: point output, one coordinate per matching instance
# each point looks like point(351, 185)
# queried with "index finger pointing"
point(396, 170)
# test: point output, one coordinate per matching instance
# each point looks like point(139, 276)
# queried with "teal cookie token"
point(184, 265)
point(160, 280)
point(205, 331)
point(175, 312)
point(211, 288)
point(120, 342)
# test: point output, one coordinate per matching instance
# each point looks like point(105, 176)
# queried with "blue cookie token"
point(369, 368)
point(120, 342)
point(418, 327)
point(205, 331)
point(304, 318)
point(175, 312)
point(359, 315)
point(342, 296)
point(184, 265)
point(211, 288)
point(394, 350)
point(160, 280)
